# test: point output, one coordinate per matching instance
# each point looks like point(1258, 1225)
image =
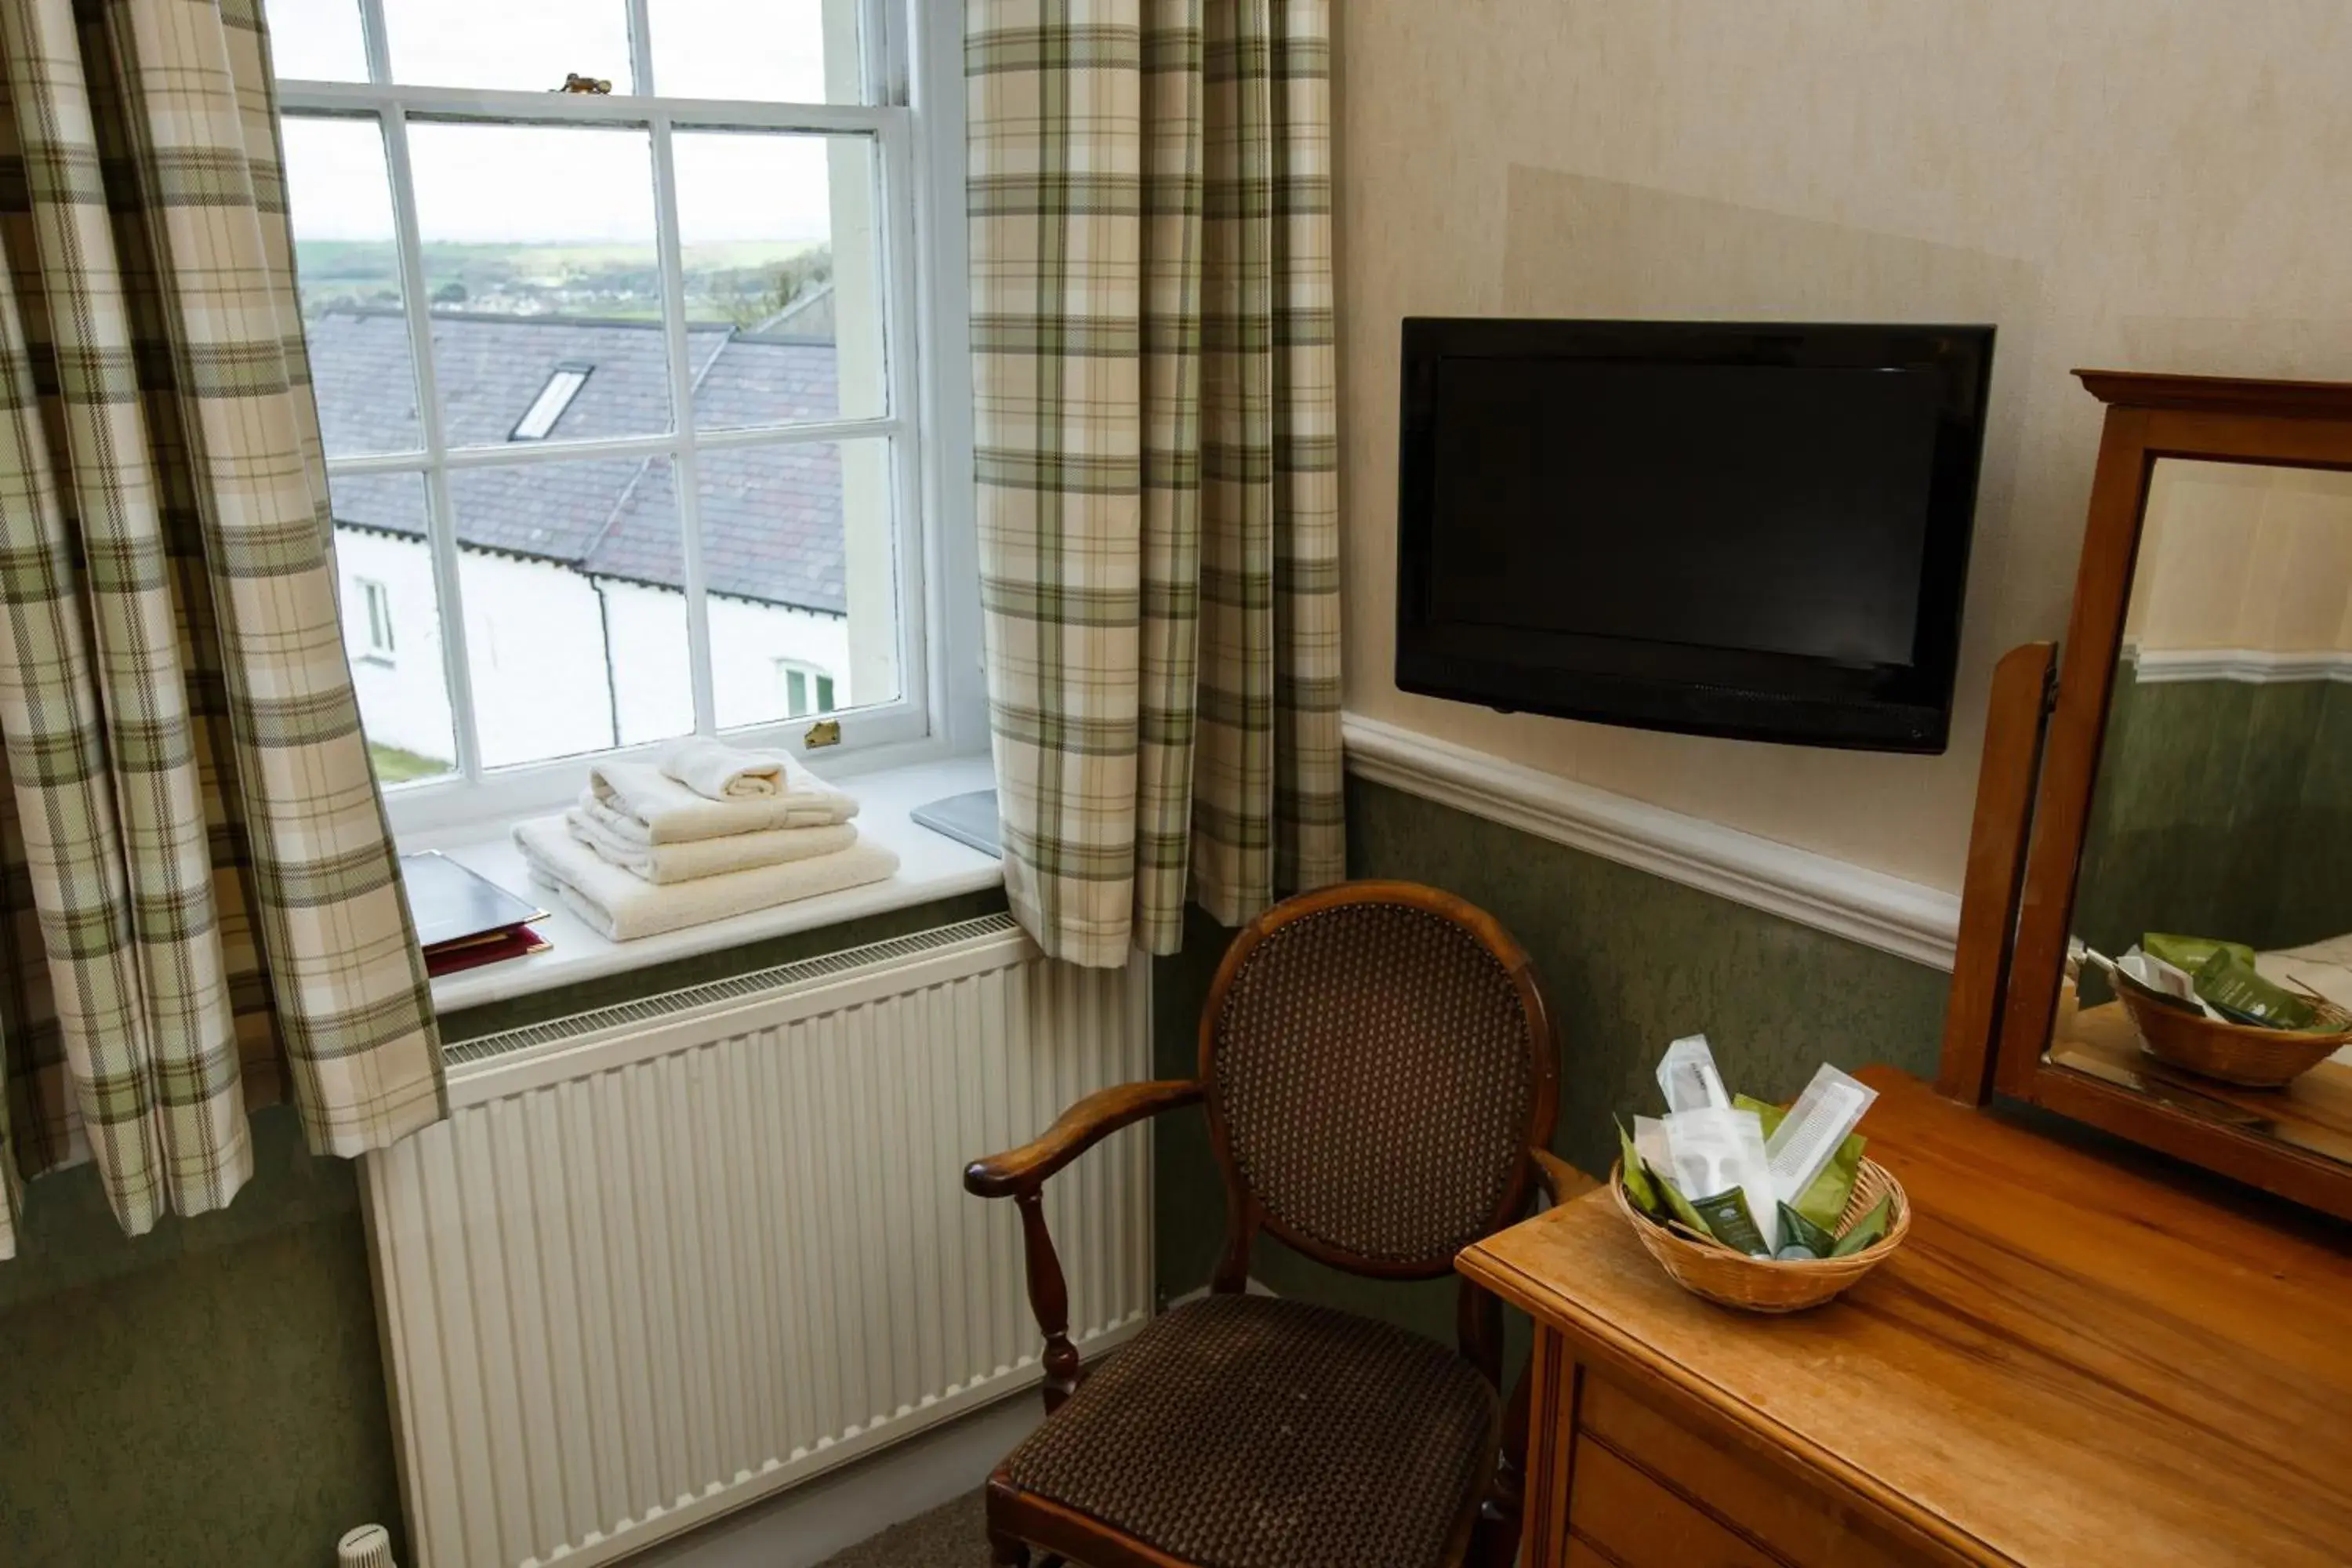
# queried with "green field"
point(742, 282)
point(393, 765)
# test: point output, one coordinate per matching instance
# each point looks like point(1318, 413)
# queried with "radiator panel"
point(654, 1266)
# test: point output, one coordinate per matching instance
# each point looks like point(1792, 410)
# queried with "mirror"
point(2215, 859)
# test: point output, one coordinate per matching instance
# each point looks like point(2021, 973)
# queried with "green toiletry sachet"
point(1868, 1229)
point(1729, 1221)
point(1637, 1175)
point(1679, 1206)
point(1825, 1202)
point(1654, 1194)
point(2241, 996)
point(2190, 953)
point(1800, 1237)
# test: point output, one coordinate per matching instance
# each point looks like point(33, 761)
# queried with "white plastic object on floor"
point(369, 1546)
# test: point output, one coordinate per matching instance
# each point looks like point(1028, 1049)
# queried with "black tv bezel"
point(1731, 692)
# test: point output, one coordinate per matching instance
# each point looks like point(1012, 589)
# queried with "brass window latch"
point(574, 83)
point(824, 732)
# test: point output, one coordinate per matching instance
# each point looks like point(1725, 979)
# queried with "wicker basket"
point(1708, 1268)
point(2242, 1054)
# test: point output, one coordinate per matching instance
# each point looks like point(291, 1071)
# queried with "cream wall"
point(2131, 184)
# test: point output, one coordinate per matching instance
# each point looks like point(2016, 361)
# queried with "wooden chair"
point(1381, 1082)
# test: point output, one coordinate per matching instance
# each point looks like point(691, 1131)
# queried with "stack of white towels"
point(706, 831)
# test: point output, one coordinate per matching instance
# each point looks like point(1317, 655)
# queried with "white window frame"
point(913, 114)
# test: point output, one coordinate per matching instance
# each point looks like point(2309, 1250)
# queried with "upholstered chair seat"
point(1245, 1432)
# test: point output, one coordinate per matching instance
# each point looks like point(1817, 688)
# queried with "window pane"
point(575, 606)
point(800, 571)
point(778, 241)
point(360, 360)
point(317, 40)
point(391, 623)
point(791, 51)
point(531, 276)
point(527, 45)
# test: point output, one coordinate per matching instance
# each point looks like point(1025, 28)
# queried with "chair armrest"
point(1075, 1131)
point(1561, 1181)
point(1020, 1174)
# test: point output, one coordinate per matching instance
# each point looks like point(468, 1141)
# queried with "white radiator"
point(669, 1257)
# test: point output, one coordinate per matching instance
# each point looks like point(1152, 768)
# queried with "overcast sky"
point(508, 184)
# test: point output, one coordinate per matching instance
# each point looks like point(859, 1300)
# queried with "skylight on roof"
point(553, 398)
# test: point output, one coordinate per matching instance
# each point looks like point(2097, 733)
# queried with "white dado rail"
point(1903, 918)
point(2247, 666)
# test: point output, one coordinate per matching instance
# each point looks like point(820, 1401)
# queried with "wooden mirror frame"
point(2212, 419)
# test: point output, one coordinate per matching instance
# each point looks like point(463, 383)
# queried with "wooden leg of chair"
point(1049, 1297)
point(1496, 1542)
point(1006, 1553)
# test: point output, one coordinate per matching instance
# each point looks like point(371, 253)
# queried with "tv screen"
point(1753, 531)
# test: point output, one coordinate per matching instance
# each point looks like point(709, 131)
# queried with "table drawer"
point(1638, 1523)
point(1782, 1516)
point(1581, 1554)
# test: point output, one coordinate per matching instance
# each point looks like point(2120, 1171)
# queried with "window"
point(378, 600)
point(552, 400)
point(806, 691)
point(618, 387)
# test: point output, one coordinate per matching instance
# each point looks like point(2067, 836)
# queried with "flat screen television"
point(1757, 531)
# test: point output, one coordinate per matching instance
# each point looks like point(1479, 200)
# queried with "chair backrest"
point(1377, 1063)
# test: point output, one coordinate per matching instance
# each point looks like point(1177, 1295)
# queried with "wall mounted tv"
point(1752, 530)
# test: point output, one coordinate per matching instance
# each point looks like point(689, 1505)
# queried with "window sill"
point(931, 865)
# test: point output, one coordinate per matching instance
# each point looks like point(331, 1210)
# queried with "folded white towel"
point(646, 805)
point(624, 906)
point(706, 857)
point(716, 771)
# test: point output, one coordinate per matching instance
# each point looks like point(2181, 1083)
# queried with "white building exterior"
point(529, 622)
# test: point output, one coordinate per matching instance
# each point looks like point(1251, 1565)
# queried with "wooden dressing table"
point(2073, 1361)
point(2069, 1364)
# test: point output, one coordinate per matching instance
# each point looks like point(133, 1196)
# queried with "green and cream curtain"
point(1151, 221)
point(202, 905)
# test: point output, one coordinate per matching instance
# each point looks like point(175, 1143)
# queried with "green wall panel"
point(211, 1392)
point(1627, 962)
point(2222, 808)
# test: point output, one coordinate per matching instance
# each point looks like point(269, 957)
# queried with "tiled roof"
point(771, 516)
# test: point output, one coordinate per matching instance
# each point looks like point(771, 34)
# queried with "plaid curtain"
point(201, 906)
point(1151, 210)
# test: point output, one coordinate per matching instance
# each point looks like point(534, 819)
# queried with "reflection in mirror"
point(2217, 862)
